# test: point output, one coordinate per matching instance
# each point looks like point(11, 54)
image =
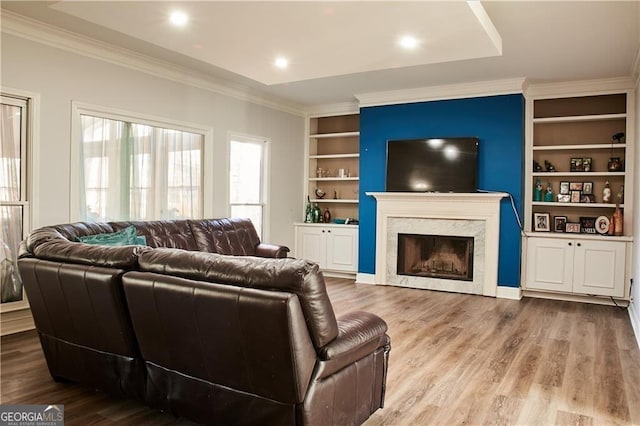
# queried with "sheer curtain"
point(11, 201)
point(139, 172)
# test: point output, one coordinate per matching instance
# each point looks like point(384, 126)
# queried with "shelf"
point(579, 147)
point(331, 200)
point(575, 205)
point(334, 135)
point(549, 174)
point(578, 118)
point(325, 179)
point(330, 156)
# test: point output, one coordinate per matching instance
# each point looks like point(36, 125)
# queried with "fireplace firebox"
point(435, 256)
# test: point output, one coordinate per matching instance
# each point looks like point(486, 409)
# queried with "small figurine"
point(536, 166)
point(620, 195)
point(335, 194)
point(606, 193)
point(618, 137)
point(550, 167)
point(548, 196)
point(537, 193)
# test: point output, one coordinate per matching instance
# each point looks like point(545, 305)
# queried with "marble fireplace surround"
point(476, 214)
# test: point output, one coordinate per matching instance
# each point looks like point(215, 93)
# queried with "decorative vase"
point(617, 221)
point(327, 216)
point(316, 214)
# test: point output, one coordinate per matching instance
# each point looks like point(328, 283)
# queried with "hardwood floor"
point(455, 359)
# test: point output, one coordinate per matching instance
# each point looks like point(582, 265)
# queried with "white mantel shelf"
point(449, 197)
point(480, 206)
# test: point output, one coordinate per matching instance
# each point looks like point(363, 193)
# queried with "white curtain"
point(11, 208)
point(140, 172)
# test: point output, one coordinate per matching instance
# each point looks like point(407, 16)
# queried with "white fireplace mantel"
point(483, 207)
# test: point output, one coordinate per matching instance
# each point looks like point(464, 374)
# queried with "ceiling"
point(339, 49)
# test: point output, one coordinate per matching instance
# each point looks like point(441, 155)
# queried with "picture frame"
point(572, 227)
point(586, 164)
point(576, 196)
point(564, 187)
point(588, 225)
point(559, 223)
point(541, 222)
point(575, 186)
point(576, 165)
point(602, 225)
point(587, 198)
point(564, 198)
point(587, 188)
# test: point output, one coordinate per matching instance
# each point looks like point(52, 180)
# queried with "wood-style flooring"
point(455, 359)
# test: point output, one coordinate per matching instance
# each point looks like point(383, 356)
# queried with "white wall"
point(60, 77)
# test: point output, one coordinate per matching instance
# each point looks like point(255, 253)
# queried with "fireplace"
point(435, 256)
point(471, 220)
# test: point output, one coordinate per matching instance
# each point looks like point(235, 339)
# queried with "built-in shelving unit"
point(333, 164)
point(564, 129)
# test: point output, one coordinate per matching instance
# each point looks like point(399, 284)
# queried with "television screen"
point(432, 165)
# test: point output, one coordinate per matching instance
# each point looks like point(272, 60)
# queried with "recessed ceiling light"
point(409, 42)
point(281, 62)
point(178, 18)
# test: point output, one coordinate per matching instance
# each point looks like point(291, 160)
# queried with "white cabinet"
point(578, 266)
point(333, 247)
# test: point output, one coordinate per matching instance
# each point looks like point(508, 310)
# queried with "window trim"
point(81, 108)
point(31, 174)
point(266, 174)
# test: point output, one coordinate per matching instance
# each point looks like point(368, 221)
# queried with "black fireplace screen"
point(435, 256)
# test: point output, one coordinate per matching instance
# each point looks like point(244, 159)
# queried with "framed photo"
point(575, 196)
point(564, 198)
point(559, 223)
point(587, 188)
point(564, 188)
point(572, 227)
point(541, 222)
point(588, 225)
point(586, 164)
point(575, 186)
point(602, 225)
point(576, 165)
point(587, 198)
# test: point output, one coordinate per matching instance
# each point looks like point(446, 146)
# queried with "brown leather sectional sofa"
point(205, 322)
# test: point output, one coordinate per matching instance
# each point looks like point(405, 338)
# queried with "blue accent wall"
point(498, 121)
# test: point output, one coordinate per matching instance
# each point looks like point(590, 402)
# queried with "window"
point(133, 170)
point(14, 204)
point(247, 165)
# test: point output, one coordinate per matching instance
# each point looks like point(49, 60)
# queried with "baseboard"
point(513, 293)
point(16, 321)
point(362, 278)
point(634, 316)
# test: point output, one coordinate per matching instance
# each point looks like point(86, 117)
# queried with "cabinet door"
point(342, 249)
point(599, 268)
point(549, 264)
point(311, 244)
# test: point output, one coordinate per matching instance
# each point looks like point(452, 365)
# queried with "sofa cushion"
point(232, 236)
point(297, 276)
point(125, 237)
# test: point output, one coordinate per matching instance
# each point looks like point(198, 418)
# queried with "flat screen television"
point(432, 165)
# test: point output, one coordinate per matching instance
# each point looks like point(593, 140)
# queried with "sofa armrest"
point(271, 250)
point(359, 334)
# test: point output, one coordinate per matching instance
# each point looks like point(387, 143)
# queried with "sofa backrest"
point(297, 276)
point(231, 236)
point(162, 233)
point(249, 340)
point(82, 305)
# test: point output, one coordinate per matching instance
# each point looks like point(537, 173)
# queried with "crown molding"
point(343, 108)
point(450, 91)
point(586, 87)
point(20, 26)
